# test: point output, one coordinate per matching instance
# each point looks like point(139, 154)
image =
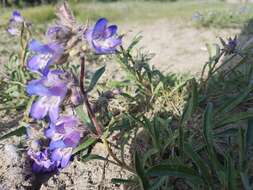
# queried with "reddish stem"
point(86, 100)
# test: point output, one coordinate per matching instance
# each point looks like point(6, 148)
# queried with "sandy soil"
point(178, 47)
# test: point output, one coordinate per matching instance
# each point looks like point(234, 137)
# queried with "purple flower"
point(15, 23)
point(65, 136)
point(41, 161)
point(103, 39)
point(16, 16)
point(64, 132)
point(45, 55)
point(52, 90)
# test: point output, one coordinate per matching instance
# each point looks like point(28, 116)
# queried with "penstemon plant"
point(186, 123)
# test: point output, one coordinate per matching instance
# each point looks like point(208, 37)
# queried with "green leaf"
point(81, 114)
point(249, 134)
point(134, 42)
point(208, 125)
point(229, 119)
point(95, 78)
point(192, 102)
point(231, 175)
point(89, 157)
point(200, 163)
point(122, 181)
point(226, 132)
point(88, 142)
point(17, 132)
point(141, 172)
point(233, 102)
point(175, 171)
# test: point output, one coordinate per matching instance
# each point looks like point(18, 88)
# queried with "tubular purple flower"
point(65, 136)
point(52, 90)
point(103, 39)
point(45, 55)
point(41, 161)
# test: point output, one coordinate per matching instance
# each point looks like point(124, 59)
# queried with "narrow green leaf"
point(141, 172)
point(208, 125)
point(88, 141)
point(233, 102)
point(231, 175)
point(134, 42)
point(192, 102)
point(249, 134)
point(89, 157)
point(82, 115)
point(122, 181)
point(200, 163)
point(95, 78)
point(17, 132)
point(229, 119)
point(176, 171)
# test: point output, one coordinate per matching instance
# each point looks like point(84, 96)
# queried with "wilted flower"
point(59, 34)
point(52, 90)
point(41, 161)
point(64, 136)
point(15, 23)
point(103, 39)
point(45, 55)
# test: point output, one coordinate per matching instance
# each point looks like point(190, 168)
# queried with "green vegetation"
point(216, 14)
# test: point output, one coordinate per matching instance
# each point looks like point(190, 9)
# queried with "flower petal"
point(56, 145)
point(72, 139)
point(99, 28)
point(66, 157)
point(110, 31)
point(54, 109)
point(40, 108)
point(38, 63)
point(36, 87)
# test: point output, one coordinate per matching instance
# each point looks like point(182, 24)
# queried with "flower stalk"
point(85, 96)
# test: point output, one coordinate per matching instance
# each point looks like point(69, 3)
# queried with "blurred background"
point(175, 31)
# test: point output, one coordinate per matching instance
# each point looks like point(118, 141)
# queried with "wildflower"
point(41, 161)
point(15, 23)
point(229, 47)
point(52, 90)
point(103, 39)
point(45, 55)
point(64, 136)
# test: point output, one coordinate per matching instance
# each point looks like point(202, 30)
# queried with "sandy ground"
point(178, 47)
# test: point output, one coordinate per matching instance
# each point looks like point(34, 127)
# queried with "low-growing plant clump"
point(196, 133)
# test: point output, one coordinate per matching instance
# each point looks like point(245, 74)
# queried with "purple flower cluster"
point(63, 137)
point(53, 150)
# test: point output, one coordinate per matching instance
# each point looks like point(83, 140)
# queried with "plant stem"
point(119, 163)
point(85, 96)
